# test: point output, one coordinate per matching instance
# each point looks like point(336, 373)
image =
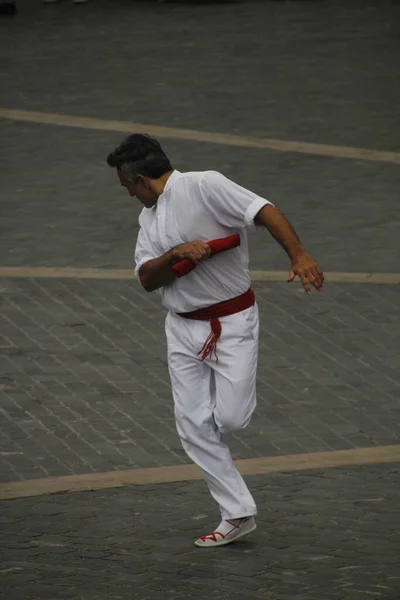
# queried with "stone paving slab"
point(67, 208)
point(85, 387)
point(323, 71)
point(317, 538)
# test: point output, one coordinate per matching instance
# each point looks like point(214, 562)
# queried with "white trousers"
point(215, 398)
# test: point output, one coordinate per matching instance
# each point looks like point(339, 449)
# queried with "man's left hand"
point(308, 271)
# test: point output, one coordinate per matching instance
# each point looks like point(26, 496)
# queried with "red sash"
point(214, 313)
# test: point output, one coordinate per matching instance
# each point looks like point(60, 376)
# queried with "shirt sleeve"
point(231, 205)
point(143, 251)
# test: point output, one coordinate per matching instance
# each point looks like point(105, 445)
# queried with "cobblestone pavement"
point(322, 535)
point(322, 71)
point(86, 387)
point(69, 210)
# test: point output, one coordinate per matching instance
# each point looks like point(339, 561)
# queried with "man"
point(212, 322)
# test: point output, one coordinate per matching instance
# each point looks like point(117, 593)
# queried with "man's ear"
point(141, 179)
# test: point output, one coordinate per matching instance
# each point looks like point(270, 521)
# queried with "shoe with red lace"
point(229, 530)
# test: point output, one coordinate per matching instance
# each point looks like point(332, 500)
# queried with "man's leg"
point(236, 371)
point(194, 391)
point(235, 401)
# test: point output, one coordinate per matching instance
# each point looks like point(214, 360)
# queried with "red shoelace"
point(213, 536)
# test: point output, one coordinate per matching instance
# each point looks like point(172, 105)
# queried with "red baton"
point(183, 267)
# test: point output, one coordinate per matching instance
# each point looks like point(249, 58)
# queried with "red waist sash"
point(214, 313)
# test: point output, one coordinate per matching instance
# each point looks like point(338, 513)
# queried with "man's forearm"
point(158, 272)
point(280, 229)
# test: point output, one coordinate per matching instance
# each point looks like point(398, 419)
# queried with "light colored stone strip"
point(65, 273)
point(332, 277)
point(251, 466)
point(274, 276)
point(203, 136)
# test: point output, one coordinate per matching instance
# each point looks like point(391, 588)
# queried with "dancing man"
point(192, 248)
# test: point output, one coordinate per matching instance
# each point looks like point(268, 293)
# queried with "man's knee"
point(193, 429)
point(232, 423)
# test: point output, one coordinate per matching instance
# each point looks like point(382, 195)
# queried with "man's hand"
point(158, 272)
point(195, 251)
point(308, 271)
point(303, 265)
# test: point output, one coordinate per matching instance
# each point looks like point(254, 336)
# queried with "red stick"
point(183, 267)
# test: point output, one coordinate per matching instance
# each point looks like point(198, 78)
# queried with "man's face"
point(141, 189)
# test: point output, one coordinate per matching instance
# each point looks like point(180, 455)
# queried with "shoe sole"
point(225, 542)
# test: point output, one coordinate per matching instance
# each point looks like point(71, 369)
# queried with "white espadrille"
point(228, 531)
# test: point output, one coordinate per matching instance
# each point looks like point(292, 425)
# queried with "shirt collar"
point(171, 179)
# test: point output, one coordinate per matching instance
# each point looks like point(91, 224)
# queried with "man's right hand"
point(196, 251)
point(158, 272)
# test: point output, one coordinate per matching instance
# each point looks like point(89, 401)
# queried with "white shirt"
point(200, 206)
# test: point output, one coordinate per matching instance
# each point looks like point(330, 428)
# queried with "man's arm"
point(302, 264)
point(158, 272)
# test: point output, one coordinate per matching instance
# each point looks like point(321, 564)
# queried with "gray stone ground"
point(322, 535)
point(324, 71)
point(86, 387)
point(84, 382)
